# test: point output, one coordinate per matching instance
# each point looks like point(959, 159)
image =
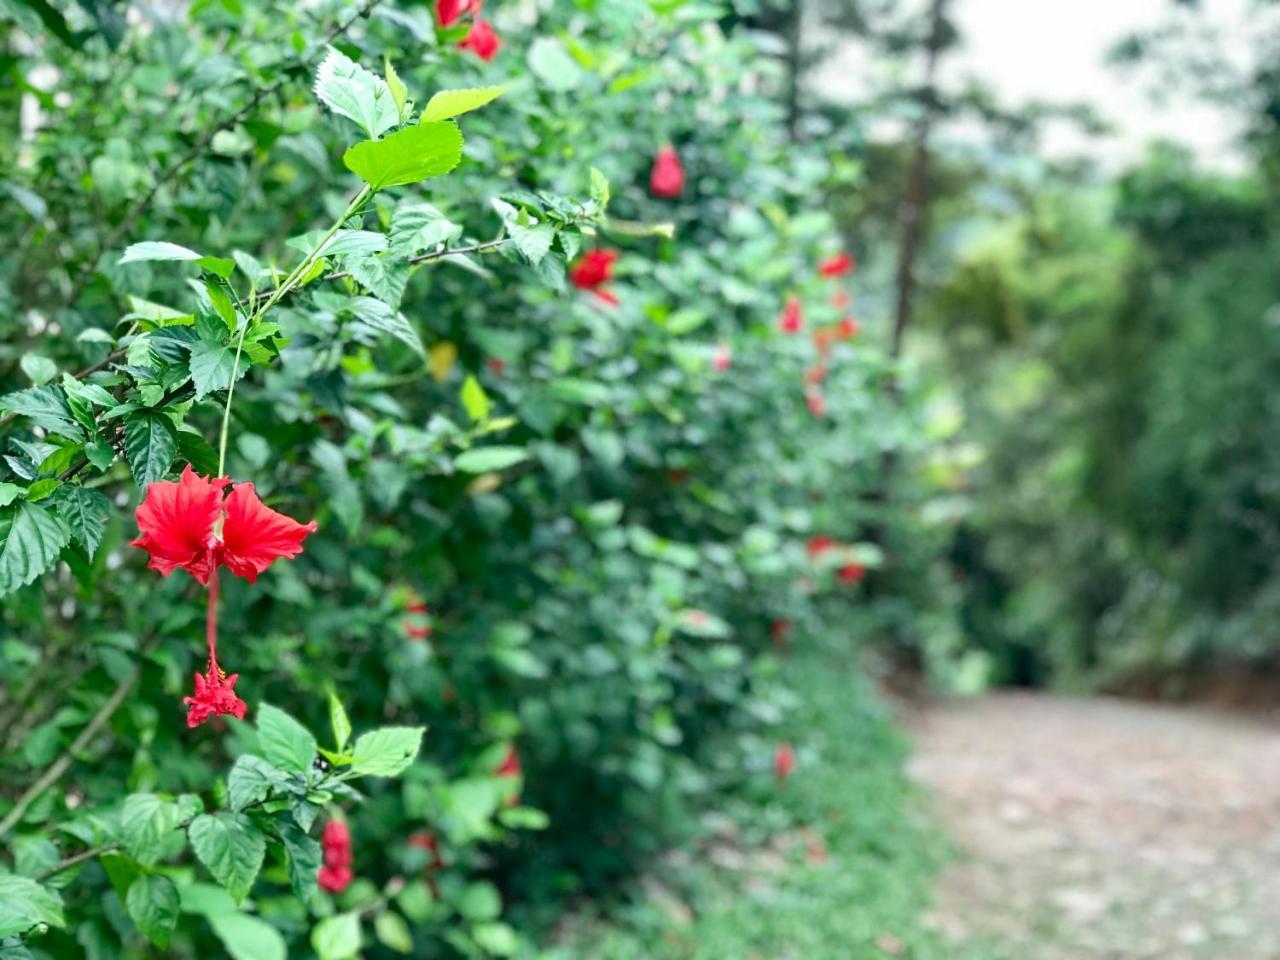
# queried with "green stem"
point(296, 274)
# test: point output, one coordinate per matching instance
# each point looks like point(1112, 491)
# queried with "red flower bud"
point(851, 573)
point(667, 177)
point(817, 546)
point(481, 41)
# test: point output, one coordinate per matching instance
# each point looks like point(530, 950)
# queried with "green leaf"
point(231, 847)
point(384, 277)
point(407, 156)
point(248, 938)
point(387, 751)
point(337, 937)
point(206, 899)
point(451, 103)
point(399, 92)
point(474, 399)
point(213, 365)
point(480, 901)
point(85, 512)
point(47, 407)
point(10, 492)
point(39, 370)
point(198, 452)
point(252, 780)
point(153, 906)
point(285, 742)
point(24, 904)
point(100, 453)
point(489, 459)
point(147, 825)
point(150, 443)
point(552, 65)
point(351, 90)
point(420, 226)
point(305, 857)
point(339, 721)
point(496, 938)
point(163, 250)
point(533, 242)
point(31, 537)
point(599, 189)
point(393, 933)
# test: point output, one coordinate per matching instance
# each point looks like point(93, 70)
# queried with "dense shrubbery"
point(565, 451)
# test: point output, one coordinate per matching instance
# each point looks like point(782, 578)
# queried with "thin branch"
point(82, 857)
point(421, 258)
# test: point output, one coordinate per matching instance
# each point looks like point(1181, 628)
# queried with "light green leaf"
point(387, 751)
point(163, 250)
point(25, 904)
point(533, 242)
point(150, 443)
point(489, 459)
point(206, 899)
point(351, 90)
point(339, 721)
point(393, 933)
point(337, 937)
point(407, 156)
point(399, 92)
point(552, 65)
point(420, 226)
point(39, 370)
point(474, 399)
point(85, 512)
point(285, 742)
point(232, 847)
point(451, 103)
point(248, 938)
point(384, 277)
point(10, 492)
point(252, 780)
point(31, 538)
point(152, 903)
point(496, 938)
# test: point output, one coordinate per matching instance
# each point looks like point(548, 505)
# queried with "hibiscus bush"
point(486, 383)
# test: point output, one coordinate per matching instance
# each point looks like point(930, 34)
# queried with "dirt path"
point(1106, 829)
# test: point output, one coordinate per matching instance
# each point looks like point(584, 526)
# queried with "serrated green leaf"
point(339, 722)
point(31, 537)
point(489, 459)
point(474, 399)
point(248, 938)
point(349, 89)
point(232, 848)
point(213, 364)
point(25, 904)
point(198, 452)
point(152, 903)
point(399, 92)
point(285, 742)
point(305, 857)
point(407, 156)
point(533, 242)
point(147, 824)
point(163, 250)
point(46, 407)
point(387, 751)
point(384, 277)
point(420, 226)
point(150, 443)
point(85, 513)
point(446, 104)
point(252, 780)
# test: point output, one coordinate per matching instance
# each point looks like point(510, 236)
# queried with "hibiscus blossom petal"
point(254, 536)
point(175, 522)
point(214, 696)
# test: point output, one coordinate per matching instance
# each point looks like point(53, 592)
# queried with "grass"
point(765, 890)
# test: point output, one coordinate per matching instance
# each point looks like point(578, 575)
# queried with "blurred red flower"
point(841, 300)
point(335, 874)
point(817, 403)
point(815, 374)
point(723, 358)
point(496, 365)
point(448, 11)
point(667, 177)
point(780, 631)
point(817, 546)
point(839, 265)
point(784, 761)
point(481, 41)
point(848, 328)
point(851, 573)
point(594, 269)
point(792, 319)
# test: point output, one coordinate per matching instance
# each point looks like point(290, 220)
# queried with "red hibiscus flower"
point(723, 358)
point(481, 41)
point(449, 11)
point(179, 525)
point(784, 761)
point(817, 546)
point(792, 319)
point(667, 177)
point(839, 265)
point(593, 270)
point(510, 767)
point(335, 874)
point(848, 328)
point(851, 573)
point(214, 696)
point(815, 374)
point(816, 403)
point(841, 300)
